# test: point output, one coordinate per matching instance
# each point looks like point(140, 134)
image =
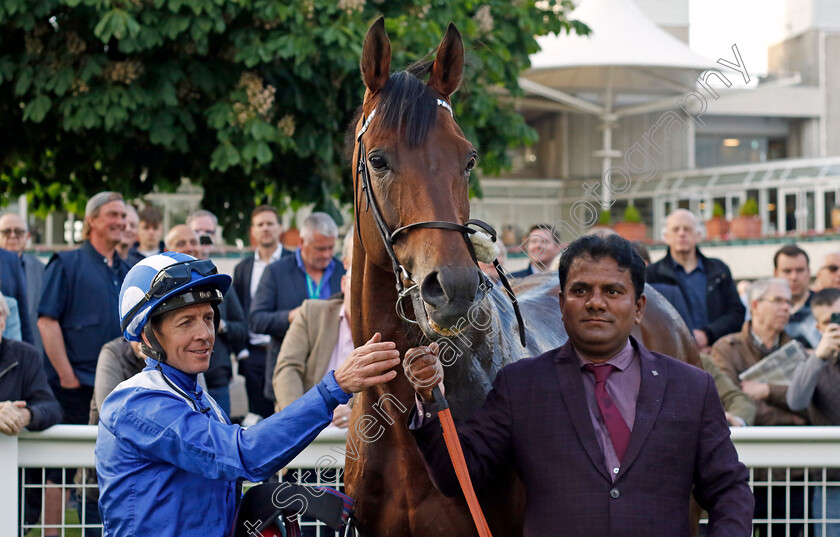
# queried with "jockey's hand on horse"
point(423, 370)
point(368, 365)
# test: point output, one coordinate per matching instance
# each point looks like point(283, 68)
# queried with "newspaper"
point(778, 366)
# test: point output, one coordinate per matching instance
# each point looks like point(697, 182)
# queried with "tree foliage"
point(248, 98)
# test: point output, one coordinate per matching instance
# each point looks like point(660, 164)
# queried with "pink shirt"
point(344, 345)
point(623, 388)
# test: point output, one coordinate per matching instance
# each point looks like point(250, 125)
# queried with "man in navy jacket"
point(706, 283)
point(312, 272)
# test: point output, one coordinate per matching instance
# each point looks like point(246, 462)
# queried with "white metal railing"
point(72, 446)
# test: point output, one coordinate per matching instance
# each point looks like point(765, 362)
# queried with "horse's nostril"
point(450, 286)
point(432, 291)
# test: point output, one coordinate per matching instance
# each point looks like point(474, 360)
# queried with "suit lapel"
point(327, 338)
point(247, 273)
point(654, 378)
point(571, 387)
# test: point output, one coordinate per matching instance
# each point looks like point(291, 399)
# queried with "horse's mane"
point(406, 105)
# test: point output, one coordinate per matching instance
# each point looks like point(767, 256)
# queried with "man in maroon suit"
point(607, 437)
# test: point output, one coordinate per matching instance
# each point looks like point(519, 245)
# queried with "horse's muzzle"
point(448, 294)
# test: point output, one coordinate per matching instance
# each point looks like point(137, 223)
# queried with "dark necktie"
point(616, 426)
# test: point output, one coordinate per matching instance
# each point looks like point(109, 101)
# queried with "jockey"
point(167, 457)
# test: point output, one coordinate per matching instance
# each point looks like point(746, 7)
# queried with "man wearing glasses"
point(233, 331)
point(770, 305)
point(14, 237)
point(829, 273)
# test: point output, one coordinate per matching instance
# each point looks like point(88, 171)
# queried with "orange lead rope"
point(453, 445)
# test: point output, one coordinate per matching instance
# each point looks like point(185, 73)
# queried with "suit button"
point(614, 494)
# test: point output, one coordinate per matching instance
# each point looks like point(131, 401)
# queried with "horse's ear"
point(376, 57)
point(449, 63)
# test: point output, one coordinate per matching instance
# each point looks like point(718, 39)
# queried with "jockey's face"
point(187, 336)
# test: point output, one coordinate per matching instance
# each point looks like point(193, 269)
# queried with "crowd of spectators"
point(286, 318)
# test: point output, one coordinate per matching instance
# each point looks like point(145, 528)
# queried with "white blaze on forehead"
point(131, 297)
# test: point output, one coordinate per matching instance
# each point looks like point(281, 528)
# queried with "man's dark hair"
point(825, 297)
point(598, 247)
point(151, 216)
point(550, 229)
point(789, 250)
point(264, 209)
point(642, 250)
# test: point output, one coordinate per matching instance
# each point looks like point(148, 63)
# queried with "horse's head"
point(412, 167)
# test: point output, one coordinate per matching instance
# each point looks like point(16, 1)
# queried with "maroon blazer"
point(536, 420)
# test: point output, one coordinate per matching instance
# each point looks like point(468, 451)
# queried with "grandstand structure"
point(662, 130)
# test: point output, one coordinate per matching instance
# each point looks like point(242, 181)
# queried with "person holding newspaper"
point(770, 305)
point(764, 333)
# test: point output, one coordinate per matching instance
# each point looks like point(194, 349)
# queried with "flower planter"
point(632, 231)
point(291, 238)
point(746, 227)
point(717, 228)
point(835, 218)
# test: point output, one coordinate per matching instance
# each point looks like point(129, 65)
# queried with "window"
point(720, 150)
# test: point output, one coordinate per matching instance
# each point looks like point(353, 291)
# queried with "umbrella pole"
point(608, 122)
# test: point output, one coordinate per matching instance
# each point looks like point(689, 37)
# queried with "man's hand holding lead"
point(423, 370)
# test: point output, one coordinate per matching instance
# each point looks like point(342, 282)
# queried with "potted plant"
point(748, 224)
point(718, 226)
point(291, 237)
point(835, 218)
point(631, 227)
point(603, 218)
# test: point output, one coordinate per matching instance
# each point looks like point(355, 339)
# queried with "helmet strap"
point(153, 349)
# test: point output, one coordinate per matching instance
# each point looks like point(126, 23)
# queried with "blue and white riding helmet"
point(165, 282)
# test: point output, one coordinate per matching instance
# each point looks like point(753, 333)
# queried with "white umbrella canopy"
point(626, 54)
point(626, 50)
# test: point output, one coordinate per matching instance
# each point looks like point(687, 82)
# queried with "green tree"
point(248, 98)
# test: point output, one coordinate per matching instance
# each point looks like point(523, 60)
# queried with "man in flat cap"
point(79, 311)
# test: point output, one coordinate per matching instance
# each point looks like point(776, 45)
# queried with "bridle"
point(389, 237)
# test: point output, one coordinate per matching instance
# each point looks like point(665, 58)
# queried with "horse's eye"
point(378, 162)
point(471, 164)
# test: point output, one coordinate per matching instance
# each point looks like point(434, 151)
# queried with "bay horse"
point(411, 170)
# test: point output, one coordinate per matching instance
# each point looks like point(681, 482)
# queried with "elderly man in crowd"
point(829, 273)
point(205, 224)
point(770, 305)
point(311, 272)
point(706, 283)
point(14, 236)
point(78, 314)
point(26, 401)
point(182, 239)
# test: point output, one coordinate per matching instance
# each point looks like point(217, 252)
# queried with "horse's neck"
point(374, 298)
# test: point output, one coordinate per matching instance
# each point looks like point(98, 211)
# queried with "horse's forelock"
point(406, 106)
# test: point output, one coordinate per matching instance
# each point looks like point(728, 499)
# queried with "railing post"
point(9, 485)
